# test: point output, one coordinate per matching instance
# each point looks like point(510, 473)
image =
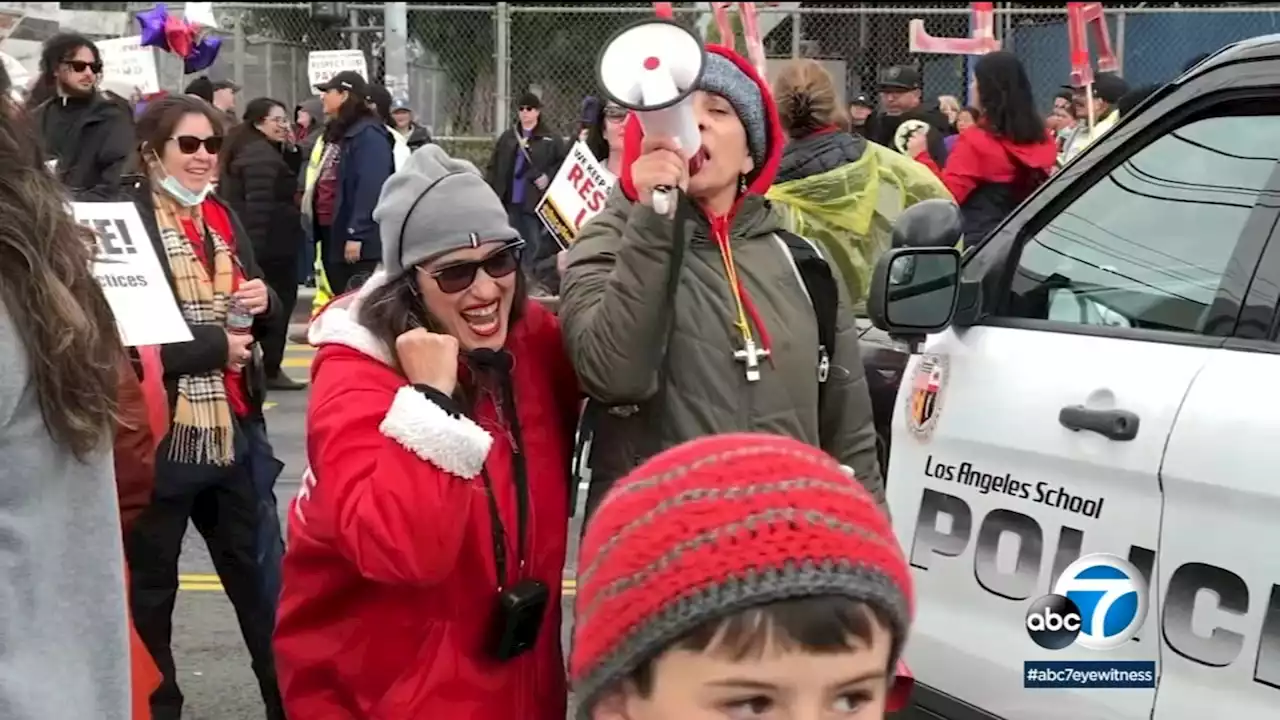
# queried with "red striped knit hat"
point(714, 527)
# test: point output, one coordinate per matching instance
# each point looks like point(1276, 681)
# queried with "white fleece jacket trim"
point(455, 445)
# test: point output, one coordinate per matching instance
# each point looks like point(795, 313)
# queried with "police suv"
point(1092, 378)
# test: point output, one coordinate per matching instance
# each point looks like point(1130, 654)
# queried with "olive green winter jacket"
point(613, 296)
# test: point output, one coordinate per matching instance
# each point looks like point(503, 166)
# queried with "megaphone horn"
point(652, 68)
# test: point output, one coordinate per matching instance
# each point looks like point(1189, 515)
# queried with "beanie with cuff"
point(722, 76)
point(433, 205)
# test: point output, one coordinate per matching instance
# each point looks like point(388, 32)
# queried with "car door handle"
point(1118, 425)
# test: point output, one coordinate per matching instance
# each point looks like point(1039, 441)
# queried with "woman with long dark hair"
point(63, 613)
point(998, 162)
point(214, 466)
point(258, 183)
point(422, 576)
point(604, 135)
point(348, 166)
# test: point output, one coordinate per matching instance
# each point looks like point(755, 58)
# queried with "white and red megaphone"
point(652, 68)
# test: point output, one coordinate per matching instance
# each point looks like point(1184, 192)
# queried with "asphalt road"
point(213, 666)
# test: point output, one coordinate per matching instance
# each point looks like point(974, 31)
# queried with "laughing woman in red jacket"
point(997, 163)
point(423, 571)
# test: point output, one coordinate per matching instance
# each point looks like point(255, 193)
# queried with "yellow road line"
point(295, 347)
point(196, 582)
point(296, 362)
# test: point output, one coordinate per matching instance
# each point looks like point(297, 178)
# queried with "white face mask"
point(178, 191)
point(184, 196)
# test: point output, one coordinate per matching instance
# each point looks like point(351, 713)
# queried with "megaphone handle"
point(663, 202)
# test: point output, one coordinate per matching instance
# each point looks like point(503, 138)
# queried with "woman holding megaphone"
point(704, 322)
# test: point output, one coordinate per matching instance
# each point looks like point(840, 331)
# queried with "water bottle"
point(239, 319)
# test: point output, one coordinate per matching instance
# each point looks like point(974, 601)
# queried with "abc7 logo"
point(1099, 602)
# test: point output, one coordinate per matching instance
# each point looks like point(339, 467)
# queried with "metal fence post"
point(269, 60)
point(395, 69)
point(797, 34)
point(241, 50)
point(503, 69)
point(1120, 18)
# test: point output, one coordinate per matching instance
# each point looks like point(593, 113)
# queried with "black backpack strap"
point(820, 285)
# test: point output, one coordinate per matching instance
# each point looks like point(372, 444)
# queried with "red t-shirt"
point(218, 220)
point(326, 193)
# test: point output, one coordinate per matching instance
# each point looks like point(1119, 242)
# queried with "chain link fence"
point(470, 62)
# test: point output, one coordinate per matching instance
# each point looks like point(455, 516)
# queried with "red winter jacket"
point(389, 574)
point(989, 176)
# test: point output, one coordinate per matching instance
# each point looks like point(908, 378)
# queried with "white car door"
point(1219, 566)
point(1036, 434)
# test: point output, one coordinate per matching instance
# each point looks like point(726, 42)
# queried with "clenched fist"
point(660, 165)
point(429, 359)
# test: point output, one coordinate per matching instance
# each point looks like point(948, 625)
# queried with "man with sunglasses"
point(87, 138)
point(1108, 89)
point(524, 160)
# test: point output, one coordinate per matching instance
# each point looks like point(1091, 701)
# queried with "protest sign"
point(18, 75)
point(981, 41)
point(126, 266)
point(324, 64)
point(126, 63)
point(575, 195)
point(1080, 17)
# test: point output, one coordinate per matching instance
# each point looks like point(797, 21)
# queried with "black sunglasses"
point(527, 107)
point(456, 278)
point(189, 144)
point(81, 66)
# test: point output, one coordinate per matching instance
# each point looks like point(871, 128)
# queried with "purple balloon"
point(203, 54)
point(152, 24)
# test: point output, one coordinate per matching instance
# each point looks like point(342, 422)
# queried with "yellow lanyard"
point(731, 271)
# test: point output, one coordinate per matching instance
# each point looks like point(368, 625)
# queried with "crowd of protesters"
point(737, 553)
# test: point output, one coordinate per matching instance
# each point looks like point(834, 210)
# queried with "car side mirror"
point(929, 223)
point(914, 291)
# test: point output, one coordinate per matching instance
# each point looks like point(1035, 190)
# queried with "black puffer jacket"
point(818, 153)
point(260, 186)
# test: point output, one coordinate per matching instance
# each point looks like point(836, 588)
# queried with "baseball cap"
point(380, 96)
point(529, 100)
point(201, 87)
point(348, 80)
point(1107, 87)
point(900, 77)
point(863, 100)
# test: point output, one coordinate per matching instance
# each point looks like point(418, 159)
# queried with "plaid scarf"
point(202, 429)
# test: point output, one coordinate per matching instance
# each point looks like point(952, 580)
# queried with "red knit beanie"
point(717, 526)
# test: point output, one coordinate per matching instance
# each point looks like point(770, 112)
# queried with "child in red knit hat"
point(738, 575)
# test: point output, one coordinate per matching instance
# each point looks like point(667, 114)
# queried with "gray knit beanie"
point(433, 205)
point(723, 77)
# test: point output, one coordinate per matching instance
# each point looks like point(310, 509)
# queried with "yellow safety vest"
point(323, 294)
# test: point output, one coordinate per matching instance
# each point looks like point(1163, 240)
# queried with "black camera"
point(518, 621)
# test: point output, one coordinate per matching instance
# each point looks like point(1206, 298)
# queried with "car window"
point(1148, 245)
